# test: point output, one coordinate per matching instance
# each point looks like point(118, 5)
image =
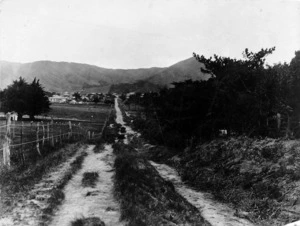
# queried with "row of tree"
point(24, 98)
point(242, 97)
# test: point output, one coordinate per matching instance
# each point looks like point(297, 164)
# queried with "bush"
point(89, 179)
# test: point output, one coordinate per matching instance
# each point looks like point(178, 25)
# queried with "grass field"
point(80, 112)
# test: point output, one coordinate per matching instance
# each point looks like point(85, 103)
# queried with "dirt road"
point(91, 202)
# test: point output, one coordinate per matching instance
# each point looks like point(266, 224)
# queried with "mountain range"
point(65, 76)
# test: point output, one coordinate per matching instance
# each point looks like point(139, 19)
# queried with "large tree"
point(25, 98)
point(77, 96)
point(38, 101)
point(245, 92)
point(15, 97)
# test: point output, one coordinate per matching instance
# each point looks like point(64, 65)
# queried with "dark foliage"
point(25, 98)
point(243, 97)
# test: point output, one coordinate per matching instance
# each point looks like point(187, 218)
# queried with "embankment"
point(259, 177)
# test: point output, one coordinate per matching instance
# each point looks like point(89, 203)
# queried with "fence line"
point(102, 133)
point(14, 136)
point(35, 141)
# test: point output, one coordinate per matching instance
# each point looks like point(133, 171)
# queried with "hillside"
point(64, 76)
point(183, 70)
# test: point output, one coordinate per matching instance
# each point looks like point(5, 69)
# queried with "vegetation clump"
point(91, 221)
point(89, 179)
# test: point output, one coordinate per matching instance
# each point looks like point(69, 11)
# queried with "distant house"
point(58, 99)
point(2, 115)
point(73, 102)
point(14, 116)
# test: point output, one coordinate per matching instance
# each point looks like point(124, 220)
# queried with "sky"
point(145, 33)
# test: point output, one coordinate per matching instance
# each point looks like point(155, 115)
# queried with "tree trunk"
point(288, 127)
point(20, 117)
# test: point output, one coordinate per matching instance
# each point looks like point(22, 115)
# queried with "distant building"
point(73, 102)
point(67, 94)
point(14, 116)
point(2, 115)
point(58, 99)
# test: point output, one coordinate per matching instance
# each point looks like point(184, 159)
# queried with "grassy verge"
point(57, 195)
point(145, 198)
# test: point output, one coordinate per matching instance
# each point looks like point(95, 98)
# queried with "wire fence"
point(23, 140)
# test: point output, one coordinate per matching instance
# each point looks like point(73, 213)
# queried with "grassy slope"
point(145, 198)
point(261, 177)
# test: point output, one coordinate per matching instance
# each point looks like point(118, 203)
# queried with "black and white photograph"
point(150, 112)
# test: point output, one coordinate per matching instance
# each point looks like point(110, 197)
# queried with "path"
point(119, 120)
point(217, 214)
point(85, 202)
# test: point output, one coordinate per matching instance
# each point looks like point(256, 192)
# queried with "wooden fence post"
point(52, 131)
point(60, 135)
point(43, 133)
point(37, 138)
point(70, 130)
point(79, 129)
point(13, 126)
point(22, 152)
point(6, 145)
point(48, 132)
point(56, 138)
